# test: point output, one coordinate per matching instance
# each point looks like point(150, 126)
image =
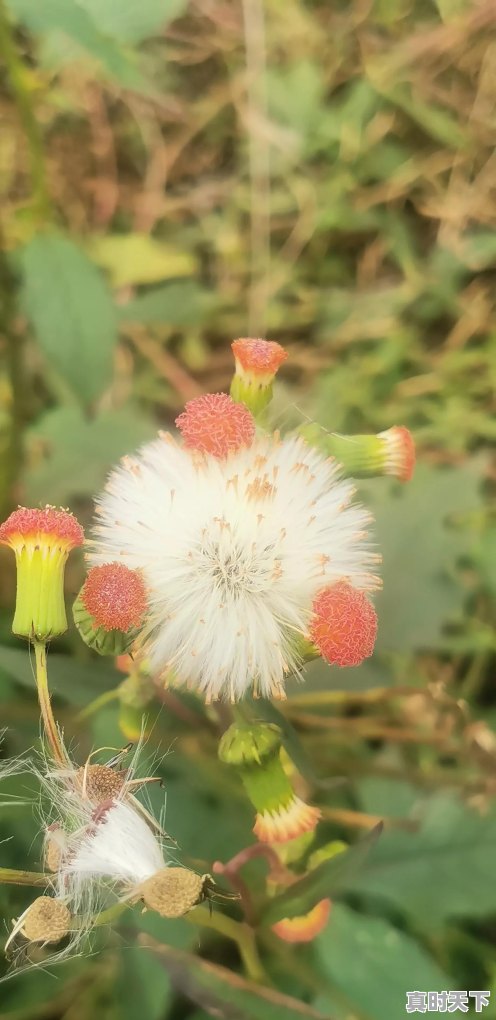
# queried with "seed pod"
point(46, 920)
point(55, 846)
point(100, 783)
point(172, 892)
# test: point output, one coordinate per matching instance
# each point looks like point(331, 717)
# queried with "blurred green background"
point(174, 175)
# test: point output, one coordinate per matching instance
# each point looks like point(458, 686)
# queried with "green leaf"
point(75, 682)
point(139, 258)
point(450, 10)
point(71, 311)
point(77, 453)
point(224, 994)
point(444, 870)
point(142, 988)
point(69, 17)
point(421, 549)
point(130, 21)
point(175, 304)
point(477, 250)
point(373, 964)
point(323, 881)
point(296, 95)
point(485, 558)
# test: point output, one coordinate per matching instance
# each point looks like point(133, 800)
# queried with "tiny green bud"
point(249, 744)
point(257, 362)
point(388, 453)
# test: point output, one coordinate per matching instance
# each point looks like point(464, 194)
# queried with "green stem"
point(51, 728)
point(241, 933)
point(16, 74)
point(97, 703)
point(110, 915)
point(13, 877)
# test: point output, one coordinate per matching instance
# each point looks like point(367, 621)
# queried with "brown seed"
point(173, 891)
point(99, 782)
point(47, 920)
point(53, 853)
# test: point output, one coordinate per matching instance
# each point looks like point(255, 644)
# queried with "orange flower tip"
point(216, 424)
point(114, 596)
point(41, 527)
point(400, 452)
point(306, 927)
point(344, 626)
point(286, 823)
point(260, 358)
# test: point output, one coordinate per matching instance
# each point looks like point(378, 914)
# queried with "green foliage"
point(324, 881)
point(218, 989)
point(372, 964)
point(72, 313)
point(441, 872)
point(131, 22)
point(136, 258)
point(422, 556)
point(76, 452)
point(69, 18)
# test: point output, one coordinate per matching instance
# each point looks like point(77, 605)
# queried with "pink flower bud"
point(344, 625)
point(215, 424)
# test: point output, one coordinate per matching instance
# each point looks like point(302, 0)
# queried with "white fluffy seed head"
point(233, 552)
point(118, 847)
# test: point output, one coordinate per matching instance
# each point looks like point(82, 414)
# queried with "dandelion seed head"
point(232, 552)
point(119, 846)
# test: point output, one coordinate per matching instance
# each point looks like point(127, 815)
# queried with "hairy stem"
point(13, 877)
point(51, 728)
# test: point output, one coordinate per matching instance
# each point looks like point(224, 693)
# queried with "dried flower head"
point(215, 424)
point(232, 552)
point(42, 541)
point(344, 625)
point(46, 920)
point(173, 892)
